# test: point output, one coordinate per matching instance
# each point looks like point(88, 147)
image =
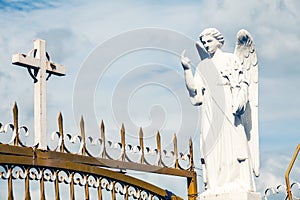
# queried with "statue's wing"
point(201, 51)
point(246, 53)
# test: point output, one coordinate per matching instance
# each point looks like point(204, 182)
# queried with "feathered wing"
point(246, 53)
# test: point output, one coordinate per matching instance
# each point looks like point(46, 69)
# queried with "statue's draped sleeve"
point(195, 86)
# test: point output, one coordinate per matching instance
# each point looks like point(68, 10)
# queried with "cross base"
point(231, 196)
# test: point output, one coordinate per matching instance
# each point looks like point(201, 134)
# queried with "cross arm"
point(25, 61)
point(30, 62)
point(56, 69)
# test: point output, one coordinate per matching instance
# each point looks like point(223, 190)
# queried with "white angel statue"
point(229, 132)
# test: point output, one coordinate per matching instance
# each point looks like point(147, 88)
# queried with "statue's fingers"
point(188, 60)
point(182, 54)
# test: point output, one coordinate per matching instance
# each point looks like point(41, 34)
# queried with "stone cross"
point(40, 68)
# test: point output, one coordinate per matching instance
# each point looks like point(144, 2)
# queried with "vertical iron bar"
point(192, 187)
point(61, 132)
point(287, 173)
point(126, 192)
point(158, 148)
point(42, 185)
point(72, 193)
point(56, 185)
point(123, 142)
point(10, 185)
point(175, 151)
point(113, 192)
point(191, 155)
point(99, 189)
point(16, 123)
point(192, 182)
point(102, 128)
point(150, 196)
point(82, 135)
point(140, 194)
point(87, 194)
point(142, 146)
point(27, 189)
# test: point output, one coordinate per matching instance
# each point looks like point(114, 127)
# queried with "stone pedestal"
point(232, 196)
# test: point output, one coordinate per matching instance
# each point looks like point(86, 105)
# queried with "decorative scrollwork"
point(168, 158)
point(107, 184)
point(63, 176)
point(66, 177)
point(184, 160)
point(120, 151)
point(92, 181)
point(35, 173)
point(79, 179)
point(133, 192)
point(19, 172)
point(295, 187)
point(280, 191)
point(5, 171)
point(99, 147)
point(120, 188)
point(14, 129)
point(94, 143)
point(72, 140)
point(151, 156)
point(49, 175)
point(134, 153)
point(114, 150)
point(145, 195)
point(8, 128)
point(25, 131)
point(59, 143)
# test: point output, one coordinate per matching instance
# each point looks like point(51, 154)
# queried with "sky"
point(123, 66)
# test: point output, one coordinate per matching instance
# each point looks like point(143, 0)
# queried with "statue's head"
point(212, 39)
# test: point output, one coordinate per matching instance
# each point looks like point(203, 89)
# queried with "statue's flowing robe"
point(224, 144)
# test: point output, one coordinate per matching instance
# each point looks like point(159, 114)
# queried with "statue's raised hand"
point(185, 61)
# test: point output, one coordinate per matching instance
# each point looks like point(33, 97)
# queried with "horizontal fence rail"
point(34, 164)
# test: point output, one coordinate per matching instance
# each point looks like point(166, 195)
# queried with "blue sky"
point(24, 5)
point(74, 30)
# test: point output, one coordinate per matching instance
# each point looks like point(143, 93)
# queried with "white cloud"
point(273, 169)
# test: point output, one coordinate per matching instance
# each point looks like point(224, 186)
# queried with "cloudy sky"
point(123, 65)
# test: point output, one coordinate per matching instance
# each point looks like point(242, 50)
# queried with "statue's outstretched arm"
point(191, 82)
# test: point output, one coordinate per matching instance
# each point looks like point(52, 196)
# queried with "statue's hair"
point(213, 32)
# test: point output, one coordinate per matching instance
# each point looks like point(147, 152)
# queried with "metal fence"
point(102, 173)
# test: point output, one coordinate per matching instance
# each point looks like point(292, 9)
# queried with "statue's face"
point(210, 43)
